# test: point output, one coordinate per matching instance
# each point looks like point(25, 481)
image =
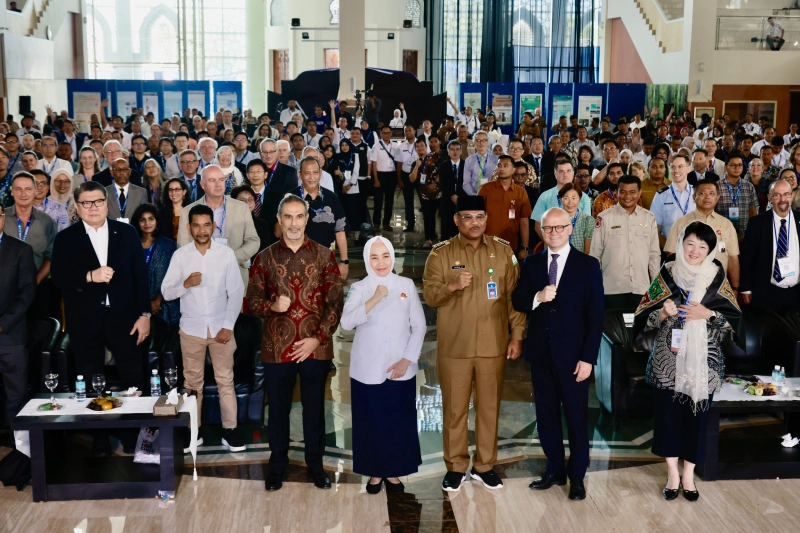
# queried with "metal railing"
point(752, 32)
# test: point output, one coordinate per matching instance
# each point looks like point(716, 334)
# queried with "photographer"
point(372, 108)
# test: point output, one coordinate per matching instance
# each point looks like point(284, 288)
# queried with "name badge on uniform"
point(125, 220)
point(458, 267)
point(733, 213)
point(677, 335)
point(221, 240)
point(786, 267)
point(722, 248)
point(422, 179)
point(512, 212)
point(491, 290)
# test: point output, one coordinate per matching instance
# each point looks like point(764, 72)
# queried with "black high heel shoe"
point(393, 488)
point(691, 495)
point(374, 488)
point(671, 494)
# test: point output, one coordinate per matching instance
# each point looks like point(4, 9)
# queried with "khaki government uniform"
point(472, 342)
point(627, 247)
point(649, 190)
point(727, 239)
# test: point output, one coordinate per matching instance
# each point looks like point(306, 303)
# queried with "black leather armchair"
point(248, 372)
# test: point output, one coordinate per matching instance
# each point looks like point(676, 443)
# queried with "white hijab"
point(691, 364)
point(372, 280)
point(63, 198)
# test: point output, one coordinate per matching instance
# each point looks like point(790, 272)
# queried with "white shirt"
point(471, 122)
point(312, 141)
point(794, 249)
point(338, 135)
point(561, 261)
point(752, 128)
point(781, 159)
point(72, 142)
point(99, 240)
point(640, 125)
point(126, 137)
point(380, 154)
point(325, 181)
point(408, 155)
point(394, 329)
point(788, 138)
point(774, 29)
point(215, 303)
point(667, 211)
point(55, 164)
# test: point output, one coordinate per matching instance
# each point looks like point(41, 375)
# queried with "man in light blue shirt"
point(478, 168)
point(675, 201)
point(565, 173)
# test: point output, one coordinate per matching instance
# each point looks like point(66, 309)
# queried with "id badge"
point(512, 213)
point(786, 267)
point(221, 240)
point(125, 220)
point(491, 290)
point(422, 179)
point(733, 213)
point(722, 248)
point(677, 335)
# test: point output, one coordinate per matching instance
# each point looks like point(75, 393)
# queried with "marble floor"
point(623, 484)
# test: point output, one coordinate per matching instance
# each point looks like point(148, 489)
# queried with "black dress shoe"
point(375, 488)
point(320, 479)
point(547, 481)
point(452, 481)
point(671, 494)
point(691, 495)
point(393, 488)
point(274, 480)
point(576, 490)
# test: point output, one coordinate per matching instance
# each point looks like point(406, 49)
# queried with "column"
point(257, 56)
point(352, 19)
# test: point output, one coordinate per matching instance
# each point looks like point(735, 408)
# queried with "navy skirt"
point(385, 439)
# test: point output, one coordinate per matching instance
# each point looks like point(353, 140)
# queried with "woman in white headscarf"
point(399, 119)
point(226, 161)
point(61, 188)
point(387, 315)
point(687, 309)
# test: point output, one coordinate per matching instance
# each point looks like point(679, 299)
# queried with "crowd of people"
point(193, 220)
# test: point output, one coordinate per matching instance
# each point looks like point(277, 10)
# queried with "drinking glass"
point(171, 377)
point(99, 383)
point(51, 382)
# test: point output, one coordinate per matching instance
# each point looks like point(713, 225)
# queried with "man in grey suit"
point(123, 196)
point(233, 223)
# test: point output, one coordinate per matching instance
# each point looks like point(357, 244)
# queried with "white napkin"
point(190, 404)
point(172, 397)
point(789, 442)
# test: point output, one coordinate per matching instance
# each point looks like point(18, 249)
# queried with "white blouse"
point(394, 329)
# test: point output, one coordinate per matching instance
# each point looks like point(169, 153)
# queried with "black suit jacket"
point(266, 234)
point(105, 178)
point(570, 327)
point(756, 256)
point(449, 184)
point(84, 303)
point(281, 183)
point(17, 289)
point(692, 177)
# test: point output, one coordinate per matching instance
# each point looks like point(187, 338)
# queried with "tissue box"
point(162, 408)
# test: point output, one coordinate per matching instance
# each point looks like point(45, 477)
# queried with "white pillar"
point(352, 18)
point(257, 56)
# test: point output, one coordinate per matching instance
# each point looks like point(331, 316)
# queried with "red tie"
point(257, 208)
point(711, 165)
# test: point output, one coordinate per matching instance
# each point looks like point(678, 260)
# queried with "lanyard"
point(13, 161)
point(734, 198)
point(684, 209)
point(52, 167)
point(163, 162)
point(614, 198)
point(121, 206)
point(482, 168)
point(154, 194)
point(774, 227)
point(271, 173)
point(148, 254)
point(321, 197)
point(224, 213)
point(241, 157)
point(27, 227)
point(575, 218)
point(383, 146)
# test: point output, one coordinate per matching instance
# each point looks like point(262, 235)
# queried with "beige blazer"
point(239, 230)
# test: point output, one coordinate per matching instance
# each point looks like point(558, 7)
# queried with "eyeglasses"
point(785, 196)
point(62, 180)
point(123, 170)
point(247, 199)
point(581, 175)
point(735, 165)
point(89, 203)
point(515, 149)
point(188, 161)
point(470, 218)
point(610, 149)
point(557, 229)
point(268, 152)
point(41, 184)
point(173, 189)
point(139, 144)
point(12, 141)
point(520, 174)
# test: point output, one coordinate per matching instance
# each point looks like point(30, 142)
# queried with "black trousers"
point(384, 197)
point(677, 430)
point(366, 189)
point(775, 43)
point(409, 189)
point(554, 387)
point(779, 300)
point(447, 210)
point(14, 368)
point(114, 333)
point(280, 380)
point(351, 203)
point(429, 208)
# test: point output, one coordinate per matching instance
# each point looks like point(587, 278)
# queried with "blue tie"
point(455, 173)
point(538, 165)
point(192, 191)
point(782, 251)
point(553, 273)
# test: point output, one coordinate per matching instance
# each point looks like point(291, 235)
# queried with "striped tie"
point(782, 251)
point(257, 208)
point(552, 274)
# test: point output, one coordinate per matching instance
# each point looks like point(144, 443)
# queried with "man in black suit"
point(227, 123)
point(100, 268)
point(561, 289)
point(17, 291)
point(451, 181)
point(189, 162)
point(770, 255)
point(112, 151)
point(270, 184)
point(700, 169)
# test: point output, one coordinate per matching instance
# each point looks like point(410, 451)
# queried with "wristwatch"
point(526, 249)
point(147, 315)
point(345, 262)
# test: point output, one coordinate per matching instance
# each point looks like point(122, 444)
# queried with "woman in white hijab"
point(687, 309)
point(226, 161)
point(61, 187)
point(399, 119)
point(387, 315)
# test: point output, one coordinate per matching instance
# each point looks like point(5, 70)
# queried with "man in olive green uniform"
point(470, 279)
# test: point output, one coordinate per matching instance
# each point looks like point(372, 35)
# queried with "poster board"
point(173, 103)
point(197, 100)
point(126, 102)
point(562, 105)
point(529, 102)
point(503, 107)
point(473, 100)
point(589, 107)
point(227, 101)
point(151, 104)
point(84, 105)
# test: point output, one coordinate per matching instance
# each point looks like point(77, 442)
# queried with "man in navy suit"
point(561, 289)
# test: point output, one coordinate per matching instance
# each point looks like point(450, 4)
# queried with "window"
point(522, 34)
point(334, 8)
point(276, 13)
point(413, 12)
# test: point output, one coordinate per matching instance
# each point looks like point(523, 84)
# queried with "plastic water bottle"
point(80, 389)
point(783, 375)
point(155, 384)
point(776, 374)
